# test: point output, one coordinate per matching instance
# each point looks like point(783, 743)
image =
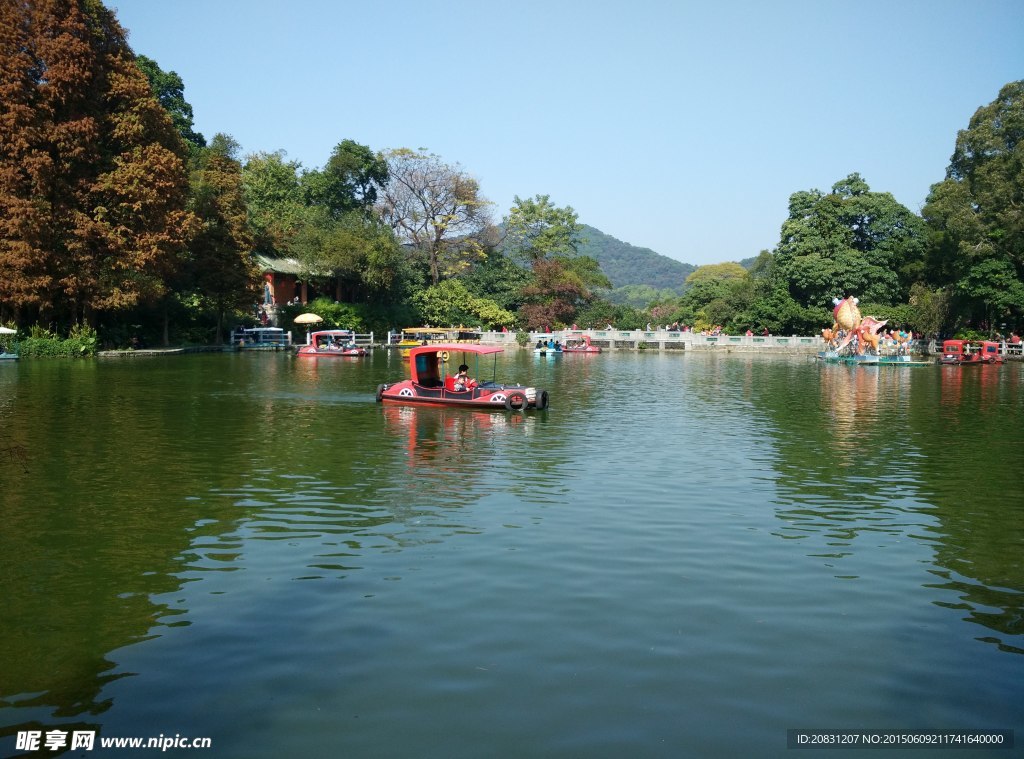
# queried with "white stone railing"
point(616, 339)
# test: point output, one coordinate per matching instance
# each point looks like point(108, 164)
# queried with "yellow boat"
point(413, 336)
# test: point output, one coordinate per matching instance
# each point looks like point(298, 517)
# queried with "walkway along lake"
point(687, 555)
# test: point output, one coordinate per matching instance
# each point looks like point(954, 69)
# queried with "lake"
point(686, 555)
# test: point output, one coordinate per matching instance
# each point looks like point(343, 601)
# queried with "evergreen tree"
point(222, 270)
point(169, 90)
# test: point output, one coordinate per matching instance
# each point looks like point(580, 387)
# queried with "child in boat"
point(462, 380)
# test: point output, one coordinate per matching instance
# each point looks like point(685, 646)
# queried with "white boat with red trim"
point(331, 343)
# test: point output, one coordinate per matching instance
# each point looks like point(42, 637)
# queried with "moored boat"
point(580, 344)
point(966, 353)
point(7, 352)
point(261, 338)
point(413, 336)
point(546, 345)
point(545, 351)
point(433, 382)
point(465, 335)
point(331, 343)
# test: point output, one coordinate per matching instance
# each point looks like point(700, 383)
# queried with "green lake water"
point(686, 555)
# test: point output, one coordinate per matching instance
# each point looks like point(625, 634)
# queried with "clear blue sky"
point(682, 126)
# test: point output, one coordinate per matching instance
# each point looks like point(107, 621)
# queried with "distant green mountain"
point(626, 264)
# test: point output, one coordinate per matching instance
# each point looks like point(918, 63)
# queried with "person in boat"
point(462, 380)
point(540, 344)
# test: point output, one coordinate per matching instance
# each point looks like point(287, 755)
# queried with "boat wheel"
point(516, 401)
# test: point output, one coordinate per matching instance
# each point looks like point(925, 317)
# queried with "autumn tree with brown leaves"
point(93, 186)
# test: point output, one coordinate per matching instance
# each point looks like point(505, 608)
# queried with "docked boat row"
point(954, 353)
point(965, 353)
point(413, 336)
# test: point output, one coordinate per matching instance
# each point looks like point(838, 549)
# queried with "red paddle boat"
point(959, 352)
point(580, 344)
point(435, 380)
point(331, 343)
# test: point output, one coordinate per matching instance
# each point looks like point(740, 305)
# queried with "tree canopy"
point(536, 229)
point(220, 264)
point(93, 185)
point(977, 213)
point(169, 90)
point(436, 208)
point(849, 241)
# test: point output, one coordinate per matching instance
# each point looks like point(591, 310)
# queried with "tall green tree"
point(715, 294)
point(274, 200)
point(348, 182)
point(357, 252)
point(498, 278)
point(93, 185)
point(449, 302)
point(547, 238)
point(536, 229)
point(773, 307)
point(169, 90)
point(437, 209)
point(849, 241)
point(977, 214)
point(222, 270)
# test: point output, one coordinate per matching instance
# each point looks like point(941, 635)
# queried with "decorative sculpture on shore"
point(849, 327)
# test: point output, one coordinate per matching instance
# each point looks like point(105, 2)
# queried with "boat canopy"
point(428, 362)
point(481, 350)
point(428, 332)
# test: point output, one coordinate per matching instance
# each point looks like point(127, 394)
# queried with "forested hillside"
point(626, 264)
